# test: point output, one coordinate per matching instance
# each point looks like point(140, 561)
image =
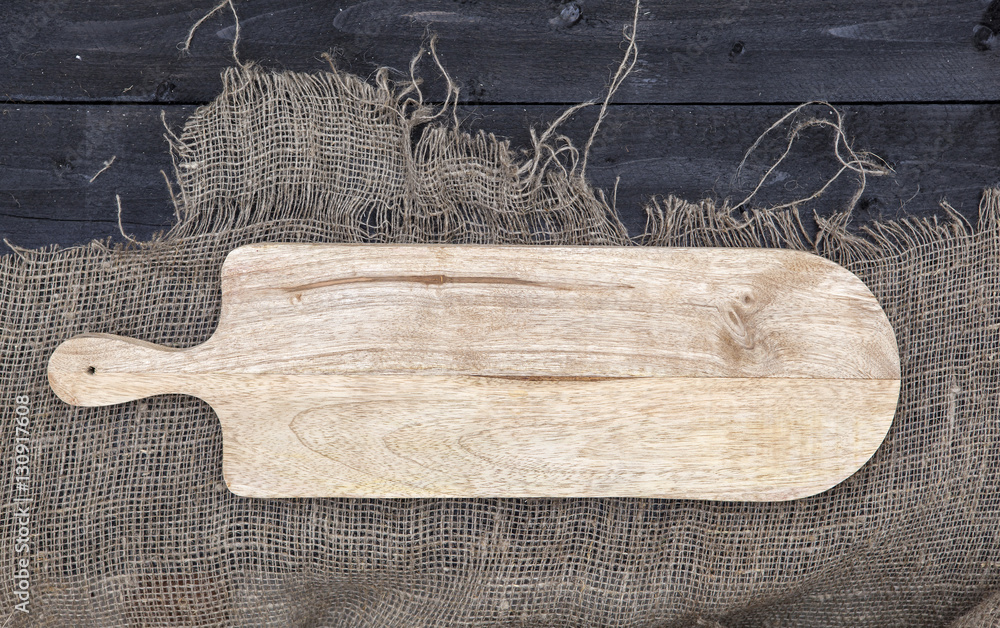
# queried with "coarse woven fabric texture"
point(130, 522)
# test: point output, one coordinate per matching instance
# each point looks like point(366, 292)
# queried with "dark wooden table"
point(918, 81)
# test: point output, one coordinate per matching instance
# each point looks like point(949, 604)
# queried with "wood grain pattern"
point(713, 51)
point(435, 370)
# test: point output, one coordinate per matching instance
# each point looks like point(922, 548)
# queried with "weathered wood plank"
point(49, 153)
point(714, 51)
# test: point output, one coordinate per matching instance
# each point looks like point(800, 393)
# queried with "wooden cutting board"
point(437, 370)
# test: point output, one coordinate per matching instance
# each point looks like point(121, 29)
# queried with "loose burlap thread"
point(131, 523)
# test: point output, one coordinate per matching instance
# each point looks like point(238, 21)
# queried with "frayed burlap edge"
point(672, 221)
point(552, 202)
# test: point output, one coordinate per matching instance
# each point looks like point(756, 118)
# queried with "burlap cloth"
point(131, 525)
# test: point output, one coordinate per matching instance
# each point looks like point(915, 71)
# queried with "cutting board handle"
point(105, 369)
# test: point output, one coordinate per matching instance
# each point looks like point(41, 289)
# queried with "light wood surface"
point(437, 370)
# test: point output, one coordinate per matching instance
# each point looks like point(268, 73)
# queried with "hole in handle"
point(103, 369)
